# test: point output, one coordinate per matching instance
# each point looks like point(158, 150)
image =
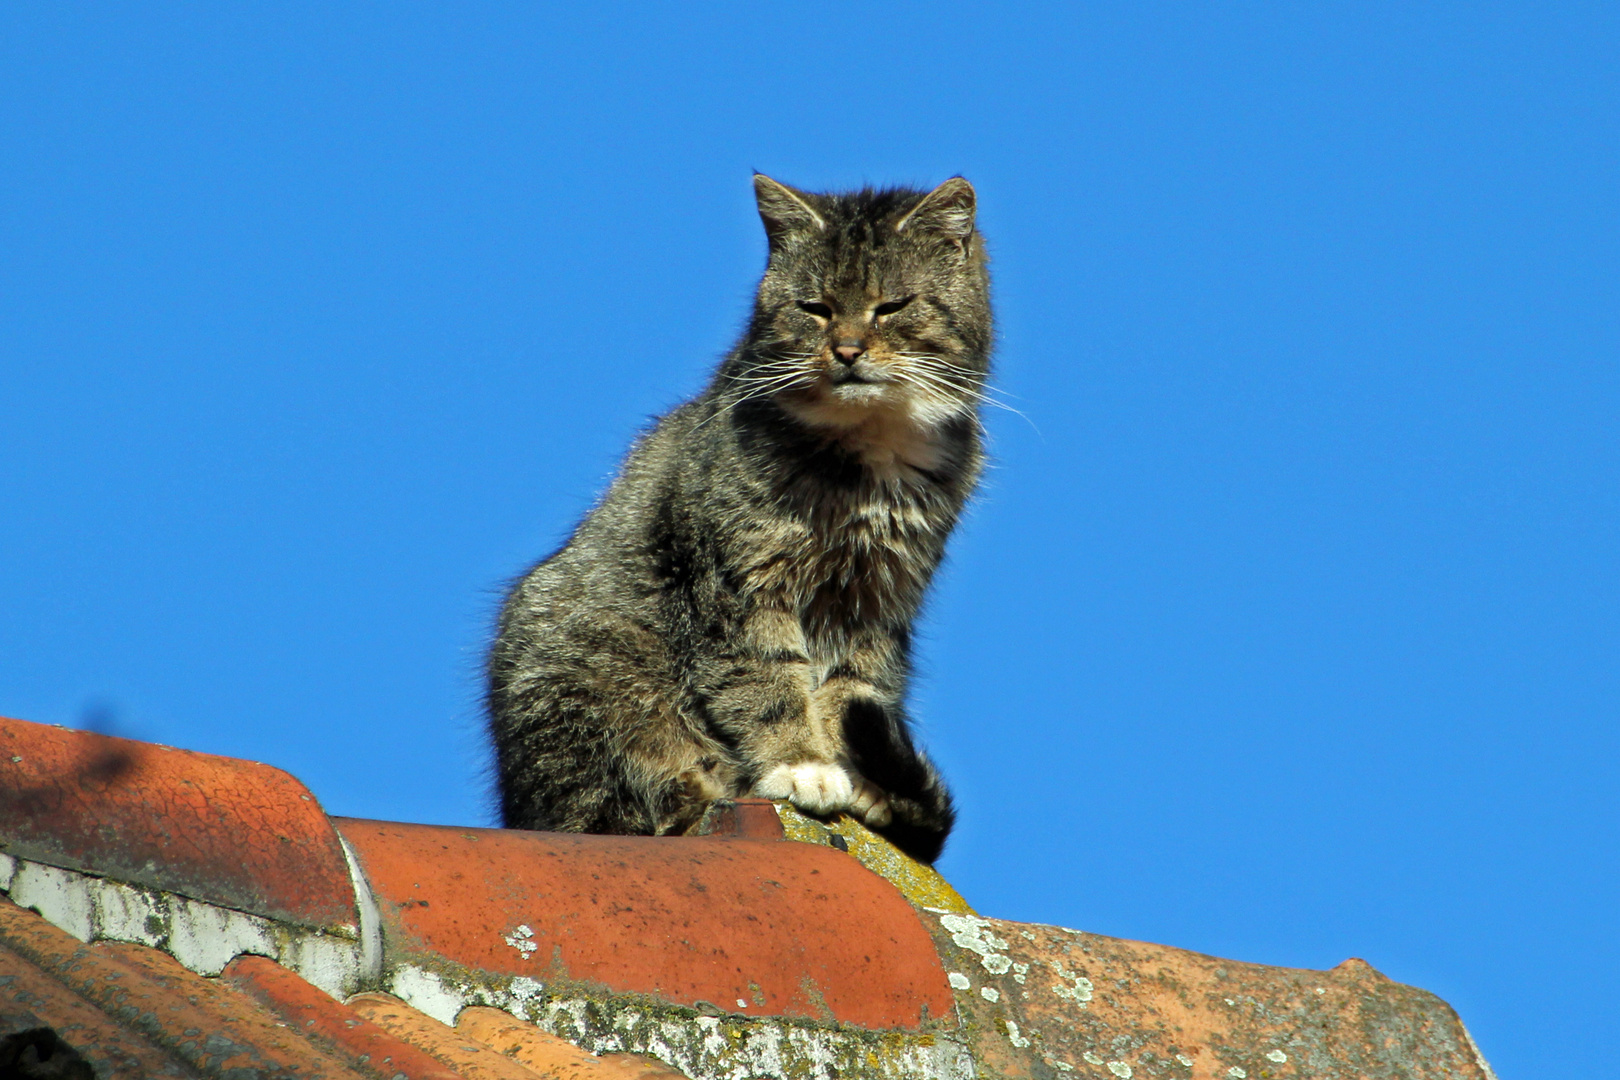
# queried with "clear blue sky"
point(1285, 627)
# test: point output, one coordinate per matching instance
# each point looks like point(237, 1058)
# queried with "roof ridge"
point(777, 946)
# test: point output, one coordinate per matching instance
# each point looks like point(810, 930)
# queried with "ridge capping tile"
point(764, 928)
point(233, 833)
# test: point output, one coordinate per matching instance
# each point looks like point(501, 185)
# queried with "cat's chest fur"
point(861, 556)
point(894, 445)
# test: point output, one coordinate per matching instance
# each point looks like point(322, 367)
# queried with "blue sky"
point(1285, 627)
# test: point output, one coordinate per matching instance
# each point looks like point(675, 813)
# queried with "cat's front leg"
point(762, 698)
point(757, 694)
point(869, 675)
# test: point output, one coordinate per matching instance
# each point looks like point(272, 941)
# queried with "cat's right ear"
point(785, 212)
point(947, 210)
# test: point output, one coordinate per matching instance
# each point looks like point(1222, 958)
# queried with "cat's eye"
point(812, 307)
point(889, 307)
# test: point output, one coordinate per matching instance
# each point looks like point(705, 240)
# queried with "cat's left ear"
point(784, 211)
point(947, 210)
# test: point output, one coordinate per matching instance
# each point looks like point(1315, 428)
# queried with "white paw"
point(870, 804)
point(815, 786)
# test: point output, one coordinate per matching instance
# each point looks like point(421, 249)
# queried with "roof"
point(170, 913)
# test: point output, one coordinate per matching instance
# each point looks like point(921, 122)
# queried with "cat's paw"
point(814, 786)
point(870, 804)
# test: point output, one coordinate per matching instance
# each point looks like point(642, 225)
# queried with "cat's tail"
point(881, 748)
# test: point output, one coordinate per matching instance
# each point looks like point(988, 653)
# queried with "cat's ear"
point(784, 211)
point(947, 210)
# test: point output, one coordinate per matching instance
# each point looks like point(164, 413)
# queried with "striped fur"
point(734, 617)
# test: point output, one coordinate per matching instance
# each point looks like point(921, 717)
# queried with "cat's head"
point(874, 300)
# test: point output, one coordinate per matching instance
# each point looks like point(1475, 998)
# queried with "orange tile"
point(315, 1015)
point(110, 1048)
point(471, 1058)
point(556, 1058)
point(210, 1027)
point(1035, 995)
point(754, 927)
point(229, 832)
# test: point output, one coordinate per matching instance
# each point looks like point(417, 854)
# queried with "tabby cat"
point(734, 617)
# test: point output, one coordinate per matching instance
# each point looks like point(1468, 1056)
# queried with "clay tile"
point(752, 927)
point(233, 833)
point(551, 1056)
point(315, 1015)
point(42, 1018)
point(1098, 1006)
point(157, 1018)
point(472, 1058)
point(733, 925)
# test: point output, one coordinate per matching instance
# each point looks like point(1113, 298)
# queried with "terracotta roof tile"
point(745, 926)
point(29, 998)
point(777, 947)
point(191, 1020)
point(337, 1027)
point(1102, 1006)
point(234, 833)
point(550, 1056)
point(473, 1059)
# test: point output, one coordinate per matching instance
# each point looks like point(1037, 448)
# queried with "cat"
point(734, 617)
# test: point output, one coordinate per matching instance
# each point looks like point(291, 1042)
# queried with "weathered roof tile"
point(1105, 1007)
point(739, 953)
point(30, 997)
point(195, 1021)
point(459, 1050)
point(743, 926)
point(550, 1056)
point(339, 1028)
point(234, 833)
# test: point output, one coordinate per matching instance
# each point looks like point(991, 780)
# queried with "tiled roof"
point(179, 914)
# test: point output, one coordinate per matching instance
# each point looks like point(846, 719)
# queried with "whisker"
point(942, 365)
point(763, 387)
point(954, 381)
point(768, 380)
point(766, 374)
point(936, 381)
point(933, 393)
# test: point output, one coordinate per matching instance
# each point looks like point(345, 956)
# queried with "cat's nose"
point(849, 351)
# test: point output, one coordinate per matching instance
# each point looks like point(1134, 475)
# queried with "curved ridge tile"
point(741, 926)
point(234, 833)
